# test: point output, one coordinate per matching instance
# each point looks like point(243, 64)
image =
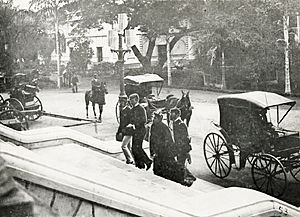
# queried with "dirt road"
point(205, 110)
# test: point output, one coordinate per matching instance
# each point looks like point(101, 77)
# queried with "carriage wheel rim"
point(269, 175)
point(295, 172)
point(13, 103)
point(217, 155)
point(36, 115)
point(18, 116)
point(117, 112)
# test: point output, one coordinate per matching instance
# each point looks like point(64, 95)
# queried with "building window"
point(99, 54)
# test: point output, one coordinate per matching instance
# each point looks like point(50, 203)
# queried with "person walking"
point(138, 121)
point(162, 148)
point(75, 82)
point(125, 130)
point(182, 143)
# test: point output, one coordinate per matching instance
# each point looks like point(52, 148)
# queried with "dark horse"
point(184, 104)
point(97, 98)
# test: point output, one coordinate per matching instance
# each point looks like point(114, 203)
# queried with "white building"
point(102, 41)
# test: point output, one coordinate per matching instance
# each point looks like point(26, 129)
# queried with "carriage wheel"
point(118, 112)
point(13, 103)
point(268, 175)
point(36, 106)
point(217, 155)
point(14, 119)
point(295, 172)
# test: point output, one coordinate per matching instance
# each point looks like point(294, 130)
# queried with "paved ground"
point(205, 110)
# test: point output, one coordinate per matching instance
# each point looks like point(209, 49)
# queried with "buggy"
point(25, 99)
point(148, 87)
point(246, 133)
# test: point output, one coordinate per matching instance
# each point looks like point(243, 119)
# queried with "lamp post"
point(122, 24)
point(120, 65)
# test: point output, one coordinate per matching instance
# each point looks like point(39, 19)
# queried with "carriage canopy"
point(260, 99)
point(236, 110)
point(142, 84)
point(140, 79)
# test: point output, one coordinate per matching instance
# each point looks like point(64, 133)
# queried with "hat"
point(158, 113)
point(123, 98)
point(175, 110)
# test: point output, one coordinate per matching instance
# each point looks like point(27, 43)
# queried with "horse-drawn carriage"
point(144, 85)
point(23, 97)
point(247, 133)
point(148, 87)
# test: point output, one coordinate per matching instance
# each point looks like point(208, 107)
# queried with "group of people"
point(169, 145)
point(70, 79)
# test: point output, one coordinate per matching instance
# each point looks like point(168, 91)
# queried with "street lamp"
point(122, 23)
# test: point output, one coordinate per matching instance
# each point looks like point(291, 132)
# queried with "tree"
point(6, 22)
point(30, 37)
point(249, 28)
point(153, 18)
point(55, 11)
point(81, 54)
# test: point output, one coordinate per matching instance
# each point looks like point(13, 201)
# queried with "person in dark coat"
point(125, 130)
point(95, 83)
point(162, 148)
point(182, 143)
point(138, 121)
point(75, 82)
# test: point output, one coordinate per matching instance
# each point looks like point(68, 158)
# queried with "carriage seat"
point(30, 89)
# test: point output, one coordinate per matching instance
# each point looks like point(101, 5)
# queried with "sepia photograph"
point(150, 108)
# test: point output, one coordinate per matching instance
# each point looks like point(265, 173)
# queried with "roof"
point(260, 98)
point(146, 78)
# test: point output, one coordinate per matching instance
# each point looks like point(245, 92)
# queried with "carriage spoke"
point(278, 178)
point(211, 157)
point(260, 187)
point(210, 152)
point(216, 165)
point(211, 148)
point(259, 173)
point(297, 172)
point(212, 162)
point(224, 170)
point(268, 185)
point(224, 158)
point(213, 145)
point(224, 163)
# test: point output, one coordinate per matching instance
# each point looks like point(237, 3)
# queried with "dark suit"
point(183, 148)
point(138, 119)
point(182, 140)
point(125, 119)
point(163, 147)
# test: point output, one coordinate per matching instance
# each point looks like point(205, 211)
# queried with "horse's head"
point(101, 88)
point(185, 103)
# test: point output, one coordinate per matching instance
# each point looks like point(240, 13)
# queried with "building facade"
point(103, 41)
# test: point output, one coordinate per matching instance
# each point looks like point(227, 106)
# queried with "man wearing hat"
point(182, 142)
point(138, 121)
point(125, 131)
point(162, 147)
point(95, 84)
